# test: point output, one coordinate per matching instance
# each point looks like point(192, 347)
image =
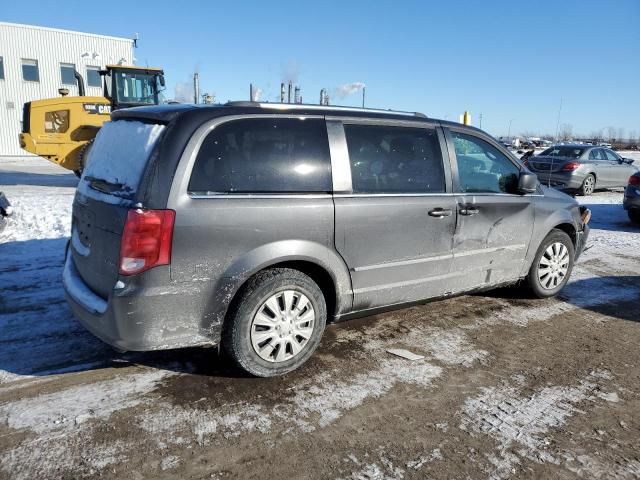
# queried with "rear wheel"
point(634, 216)
point(552, 265)
point(83, 157)
point(276, 323)
point(588, 185)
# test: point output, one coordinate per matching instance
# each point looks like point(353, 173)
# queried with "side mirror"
point(628, 160)
point(162, 80)
point(527, 182)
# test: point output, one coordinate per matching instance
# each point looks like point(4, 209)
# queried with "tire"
point(539, 283)
point(262, 341)
point(83, 156)
point(588, 185)
point(634, 216)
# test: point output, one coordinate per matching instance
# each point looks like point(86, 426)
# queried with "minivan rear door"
point(394, 213)
point(107, 190)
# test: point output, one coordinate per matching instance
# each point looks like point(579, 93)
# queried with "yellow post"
point(466, 118)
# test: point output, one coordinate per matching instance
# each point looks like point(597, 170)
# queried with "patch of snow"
point(169, 462)
point(383, 469)
point(321, 401)
point(54, 412)
point(515, 419)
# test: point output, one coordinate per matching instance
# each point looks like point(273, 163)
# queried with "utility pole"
point(509, 133)
point(558, 122)
point(480, 117)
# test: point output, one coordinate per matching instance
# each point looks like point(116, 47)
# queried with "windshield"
point(571, 152)
point(136, 88)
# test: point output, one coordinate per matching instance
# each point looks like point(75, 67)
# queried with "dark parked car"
point(581, 168)
point(631, 202)
point(254, 224)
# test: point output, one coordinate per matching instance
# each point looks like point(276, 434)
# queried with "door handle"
point(465, 210)
point(440, 212)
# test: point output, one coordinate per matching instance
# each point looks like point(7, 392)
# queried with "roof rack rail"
point(309, 106)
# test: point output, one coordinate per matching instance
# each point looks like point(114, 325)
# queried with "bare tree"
point(620, 136)
point(611, 133)
point(596, 136)
point(566, 131)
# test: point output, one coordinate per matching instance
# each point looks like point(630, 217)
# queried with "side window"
point(30, 72)
point(386, 159)
point(610, 155)
point(482, 167)
point(67, 73)
point(1, 68)
point(597, 154)
point(93, 76)
point(264, 155)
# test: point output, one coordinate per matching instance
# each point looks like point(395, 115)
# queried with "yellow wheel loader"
point(62, 129)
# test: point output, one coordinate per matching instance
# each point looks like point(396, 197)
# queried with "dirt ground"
point(510, 387)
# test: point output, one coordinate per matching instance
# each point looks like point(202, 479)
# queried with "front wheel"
point(588, 185)
point(276, 323)
point(552, 265)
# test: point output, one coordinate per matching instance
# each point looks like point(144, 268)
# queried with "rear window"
point(264, 155)
point(117, 159)
point(571, 152)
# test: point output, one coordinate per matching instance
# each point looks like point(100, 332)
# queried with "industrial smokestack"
point(282, 92)
point(324, 97)
point(296, 95)
point(196, 87)
point(363, 89)
point(251, 92)
point(289, 93)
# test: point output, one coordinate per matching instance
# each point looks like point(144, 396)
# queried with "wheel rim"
point(589, 183)
point(282, 326)
point(553, 266)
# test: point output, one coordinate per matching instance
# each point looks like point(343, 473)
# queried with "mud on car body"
point(252, 225)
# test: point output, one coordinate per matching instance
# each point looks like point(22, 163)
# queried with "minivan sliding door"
point(394, 216)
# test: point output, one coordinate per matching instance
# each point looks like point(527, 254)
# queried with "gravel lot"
point(509, 387)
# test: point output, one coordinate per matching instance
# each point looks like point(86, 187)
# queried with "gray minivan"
point(252, 225)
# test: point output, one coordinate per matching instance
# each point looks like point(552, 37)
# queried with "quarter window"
point(260, 155)
point(30, 72)
point(388, 159)
point(67, 73)
point(1, 68)
point(482, 167)
point(611, 156)
point(93, 76)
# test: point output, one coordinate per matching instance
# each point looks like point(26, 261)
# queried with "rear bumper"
point(138, 320)
point(560, 181)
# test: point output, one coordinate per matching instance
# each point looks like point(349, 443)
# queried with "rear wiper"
point(104, 186)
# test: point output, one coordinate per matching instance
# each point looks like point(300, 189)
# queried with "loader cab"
point(132, 86)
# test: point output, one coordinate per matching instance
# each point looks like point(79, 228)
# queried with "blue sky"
point(509, 60)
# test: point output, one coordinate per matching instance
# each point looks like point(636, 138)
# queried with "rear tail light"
point(634, 180)
point(146, 240)
point(571, 166)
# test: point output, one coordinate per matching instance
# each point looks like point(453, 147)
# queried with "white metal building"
point(36, 61)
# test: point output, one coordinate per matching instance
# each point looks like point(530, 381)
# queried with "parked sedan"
point(631, 202)
point(581, 168)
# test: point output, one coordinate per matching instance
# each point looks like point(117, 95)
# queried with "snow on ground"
point(40, 339)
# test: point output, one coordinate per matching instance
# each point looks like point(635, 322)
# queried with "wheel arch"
point(317, 261)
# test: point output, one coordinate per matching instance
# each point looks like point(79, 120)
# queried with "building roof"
point(59, 30)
